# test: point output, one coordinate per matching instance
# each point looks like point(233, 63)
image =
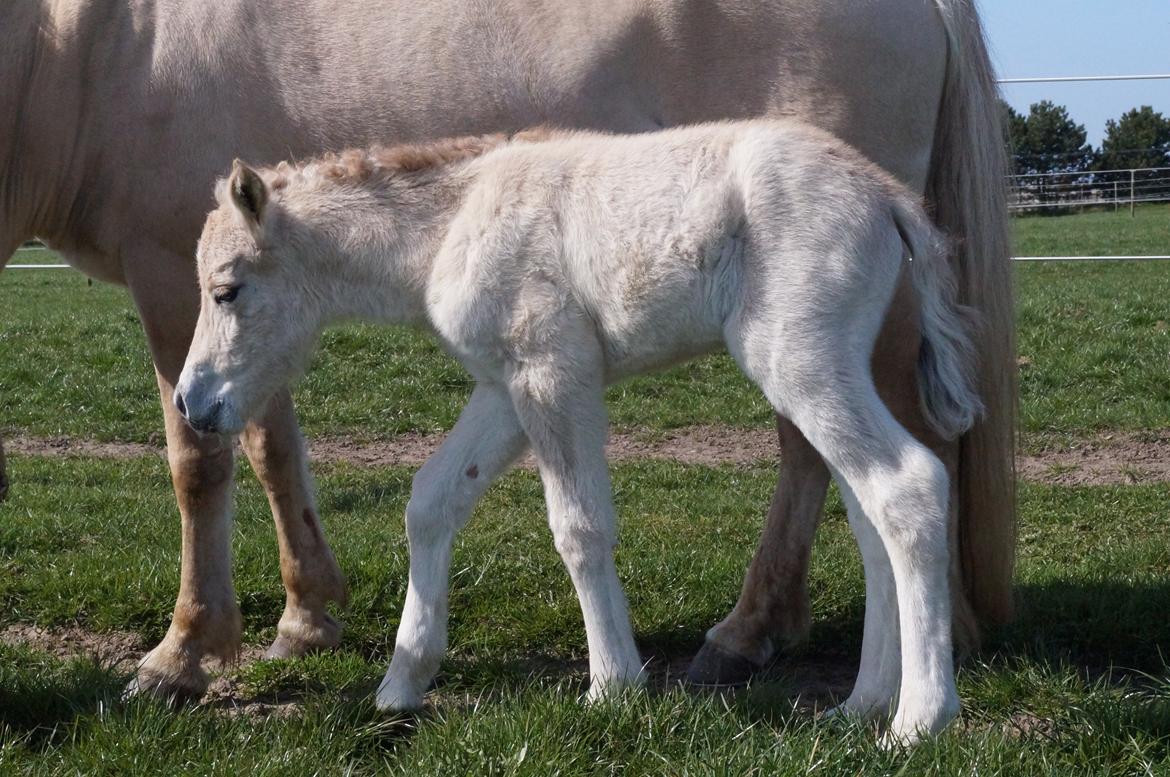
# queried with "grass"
point(1078, 682)
point(75, 361)
point(1078, 685)
point(1095, 233)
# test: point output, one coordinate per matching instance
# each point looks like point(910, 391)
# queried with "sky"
point(1037, 38)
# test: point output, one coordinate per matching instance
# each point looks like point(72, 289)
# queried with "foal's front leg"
point(482, 444)
point(565, 420)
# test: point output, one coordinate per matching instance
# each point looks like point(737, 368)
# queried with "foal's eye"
point(227, 294)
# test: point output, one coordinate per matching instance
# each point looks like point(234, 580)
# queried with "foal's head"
point(258, 316)
point(268, 261)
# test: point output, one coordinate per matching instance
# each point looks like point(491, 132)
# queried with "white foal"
point(552, 264)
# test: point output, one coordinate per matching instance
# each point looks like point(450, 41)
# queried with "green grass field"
point(1080, 684)
point(75, 362)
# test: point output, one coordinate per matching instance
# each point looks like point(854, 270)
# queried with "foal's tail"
point(947, 358)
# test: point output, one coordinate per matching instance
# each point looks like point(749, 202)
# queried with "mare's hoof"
point(717, 666)
point(322, 639)
point(175, 691)
point(285, 647)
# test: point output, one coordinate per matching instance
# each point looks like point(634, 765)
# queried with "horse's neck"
point(392, 243)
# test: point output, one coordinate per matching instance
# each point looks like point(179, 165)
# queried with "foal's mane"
point(366, 165)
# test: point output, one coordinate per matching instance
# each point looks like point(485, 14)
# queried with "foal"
point(553, 264)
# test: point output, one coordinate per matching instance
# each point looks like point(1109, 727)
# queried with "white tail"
point(947, 359)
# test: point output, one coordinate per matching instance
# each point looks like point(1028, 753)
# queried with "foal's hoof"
point(174, 690)
point(719, 667)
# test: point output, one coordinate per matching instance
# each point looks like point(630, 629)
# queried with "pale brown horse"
point(115, 119)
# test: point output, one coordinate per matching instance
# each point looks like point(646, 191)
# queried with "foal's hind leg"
point(901, 487)
point(817, 374)
point(482, 444)
point(773, 605)
point(308, 569)
point(880, 671)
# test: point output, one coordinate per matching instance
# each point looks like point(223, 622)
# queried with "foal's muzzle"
point(202, 419)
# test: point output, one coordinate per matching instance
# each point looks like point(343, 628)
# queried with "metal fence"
point(1081, 189)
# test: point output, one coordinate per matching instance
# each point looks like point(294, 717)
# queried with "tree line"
point(1047, 140)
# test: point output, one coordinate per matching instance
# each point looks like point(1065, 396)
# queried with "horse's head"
point(258, 319)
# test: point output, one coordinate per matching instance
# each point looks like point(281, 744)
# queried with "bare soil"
point(116, 649)
point(1119, 458)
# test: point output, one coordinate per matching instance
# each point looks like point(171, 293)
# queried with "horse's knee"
point(274, 446)
point(582, 545)
point(201, 468)
point(433, 511)
point(267, 456)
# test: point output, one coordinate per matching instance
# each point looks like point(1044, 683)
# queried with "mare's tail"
point(968, 194)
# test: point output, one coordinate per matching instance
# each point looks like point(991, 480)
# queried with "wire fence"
point(1081, 189)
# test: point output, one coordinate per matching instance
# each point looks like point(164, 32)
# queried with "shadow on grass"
point(1099, 627)
point(40, 697)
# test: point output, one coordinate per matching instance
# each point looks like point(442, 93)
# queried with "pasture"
point(89, 555)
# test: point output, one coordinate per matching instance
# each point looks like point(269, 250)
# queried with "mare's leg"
point(564, 416)
point(773, 605)
point(206, 619)
point(308, 570)
point(482, 444)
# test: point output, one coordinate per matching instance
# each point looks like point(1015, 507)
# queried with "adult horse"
point(116, 118)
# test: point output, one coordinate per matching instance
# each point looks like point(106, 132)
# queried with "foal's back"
point(658, 238)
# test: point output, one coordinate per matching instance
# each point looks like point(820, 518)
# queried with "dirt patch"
point(121, 650)
point(1025, 725)
point(116, 649)
point(705, 445)
point(1105, 459)
point(69, 446)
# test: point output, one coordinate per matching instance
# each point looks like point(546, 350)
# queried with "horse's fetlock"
point(216, 628)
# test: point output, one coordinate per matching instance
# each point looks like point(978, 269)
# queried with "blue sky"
point(1082, 38)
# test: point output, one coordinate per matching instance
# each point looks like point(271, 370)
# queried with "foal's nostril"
point(180, 405)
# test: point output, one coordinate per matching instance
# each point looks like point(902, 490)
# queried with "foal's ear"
point(249, 194)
